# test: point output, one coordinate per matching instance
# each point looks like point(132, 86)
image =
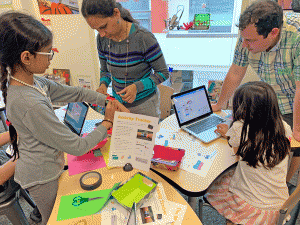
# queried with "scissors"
point(78, 200)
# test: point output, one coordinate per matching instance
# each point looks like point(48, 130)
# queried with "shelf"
point(199, 33)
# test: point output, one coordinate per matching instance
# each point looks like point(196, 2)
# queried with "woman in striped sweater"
point(130, 56)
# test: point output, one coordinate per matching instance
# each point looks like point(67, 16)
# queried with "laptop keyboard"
point(205, 124)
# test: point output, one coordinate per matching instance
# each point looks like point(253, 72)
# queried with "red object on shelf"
point(188, 25)
point(55, 50)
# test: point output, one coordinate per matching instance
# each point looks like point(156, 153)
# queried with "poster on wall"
point(63, 73)
point(58, 7)
point(85, 82)
point(285, 4)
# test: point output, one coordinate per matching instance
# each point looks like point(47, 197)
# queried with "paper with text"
point(132, 140)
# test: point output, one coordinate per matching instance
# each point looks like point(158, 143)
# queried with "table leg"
point(3, 119)
point(200, 208)
point(192, 202)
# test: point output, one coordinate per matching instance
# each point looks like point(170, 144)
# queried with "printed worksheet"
point(132, 140)
point(197, 159)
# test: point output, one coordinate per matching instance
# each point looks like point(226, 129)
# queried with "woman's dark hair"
point(105, 8)
point(263, 134)
point(18, 33)
point(265, 15)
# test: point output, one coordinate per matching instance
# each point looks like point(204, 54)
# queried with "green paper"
point(132, 191)
point(68, 211)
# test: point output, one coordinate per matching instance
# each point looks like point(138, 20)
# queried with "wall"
point(158, 15)
point(197, 51)
point(77, 46)
point(74, 40)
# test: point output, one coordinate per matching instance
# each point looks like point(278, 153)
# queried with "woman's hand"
point(130, 93)
point(222, 129)
point(102, 89)
point(120, 107)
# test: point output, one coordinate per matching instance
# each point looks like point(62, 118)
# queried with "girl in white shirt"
point(254, 191)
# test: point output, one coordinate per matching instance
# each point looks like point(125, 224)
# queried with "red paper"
point(167, 153)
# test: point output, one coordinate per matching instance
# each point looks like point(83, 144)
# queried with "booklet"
point(132, 140)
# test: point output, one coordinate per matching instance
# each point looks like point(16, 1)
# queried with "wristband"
point(108, 120)
point(88, 175)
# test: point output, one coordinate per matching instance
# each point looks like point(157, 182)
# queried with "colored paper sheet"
point(68, 211)
point(134, 190)
point(86, 162)
point(106, 158)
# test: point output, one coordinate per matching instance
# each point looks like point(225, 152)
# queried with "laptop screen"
point(191, 105)
point(75, 116)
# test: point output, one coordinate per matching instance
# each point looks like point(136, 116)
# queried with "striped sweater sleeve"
point(154, 56)
point(105, 77)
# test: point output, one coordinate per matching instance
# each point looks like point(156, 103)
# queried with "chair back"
point(289, 204)
point(10, 188)
point(165, 100)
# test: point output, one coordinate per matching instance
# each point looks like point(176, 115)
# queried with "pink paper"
point(86, 162)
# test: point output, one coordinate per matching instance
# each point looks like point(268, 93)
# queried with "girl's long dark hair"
point(263, 136)
point(18, 33)
point(105, 8)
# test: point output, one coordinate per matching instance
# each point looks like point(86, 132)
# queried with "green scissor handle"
point(78, 200)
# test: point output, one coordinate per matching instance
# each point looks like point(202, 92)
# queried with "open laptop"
point(75, 116)
point(194, 114)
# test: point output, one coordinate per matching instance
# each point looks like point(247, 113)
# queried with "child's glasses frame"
point(50, 54)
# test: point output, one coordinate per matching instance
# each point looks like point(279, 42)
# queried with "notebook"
point(194, 114)
point(75, 116)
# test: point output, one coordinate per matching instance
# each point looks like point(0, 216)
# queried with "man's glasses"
point(50, 54)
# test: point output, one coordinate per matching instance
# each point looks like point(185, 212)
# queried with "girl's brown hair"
point(263, 138)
